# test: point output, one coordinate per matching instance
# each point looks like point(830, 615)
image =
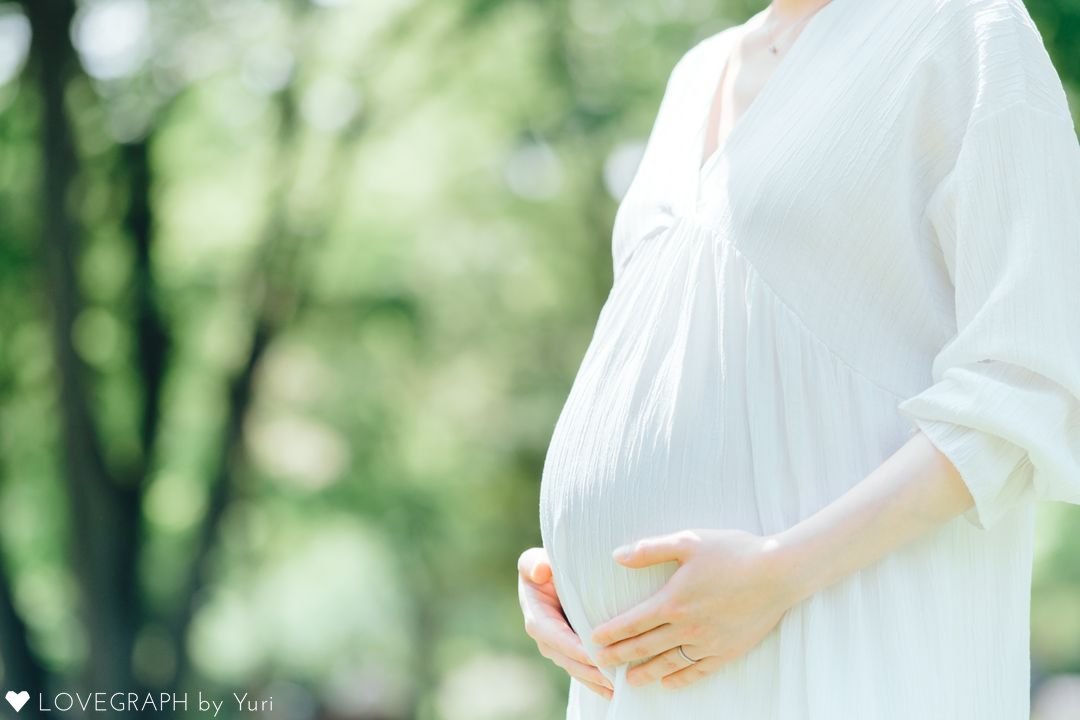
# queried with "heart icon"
point(17, 700)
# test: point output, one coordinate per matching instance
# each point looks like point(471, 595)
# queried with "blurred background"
point(291, 294)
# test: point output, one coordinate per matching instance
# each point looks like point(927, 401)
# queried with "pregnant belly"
point(617, 472)
point(648, 441)
point(701, 402)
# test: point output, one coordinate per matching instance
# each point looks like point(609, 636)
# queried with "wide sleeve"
point(1004, 405)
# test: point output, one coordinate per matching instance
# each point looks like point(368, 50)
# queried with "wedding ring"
point(686, 657)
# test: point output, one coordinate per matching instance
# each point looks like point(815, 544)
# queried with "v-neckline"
point(762, 98)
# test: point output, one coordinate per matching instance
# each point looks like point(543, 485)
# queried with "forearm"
point(913, 492)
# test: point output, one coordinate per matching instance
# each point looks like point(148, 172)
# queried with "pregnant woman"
point(838, 366)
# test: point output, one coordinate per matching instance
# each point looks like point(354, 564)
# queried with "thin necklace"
point(772, 37)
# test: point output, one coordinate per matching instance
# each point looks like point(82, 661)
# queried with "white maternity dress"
point(888, 240)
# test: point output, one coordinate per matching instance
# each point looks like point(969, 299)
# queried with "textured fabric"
point(888, 240)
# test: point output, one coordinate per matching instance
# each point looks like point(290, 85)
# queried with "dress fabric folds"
point(887, 242)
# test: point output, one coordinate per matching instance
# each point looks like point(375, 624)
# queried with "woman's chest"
point(828, 154)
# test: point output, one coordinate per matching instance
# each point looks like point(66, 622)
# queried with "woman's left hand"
point(731, 588)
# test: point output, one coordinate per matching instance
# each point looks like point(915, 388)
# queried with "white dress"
point(888, 240)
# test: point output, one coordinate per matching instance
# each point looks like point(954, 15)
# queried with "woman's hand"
point(731, 589)
point(547, 625)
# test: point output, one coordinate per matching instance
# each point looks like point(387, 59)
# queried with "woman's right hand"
point(546, 623)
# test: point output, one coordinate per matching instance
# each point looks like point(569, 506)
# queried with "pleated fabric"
point(888, 241)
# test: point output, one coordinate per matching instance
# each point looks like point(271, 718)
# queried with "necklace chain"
point(772, 36)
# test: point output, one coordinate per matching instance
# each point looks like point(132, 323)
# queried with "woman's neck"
point(792, 10)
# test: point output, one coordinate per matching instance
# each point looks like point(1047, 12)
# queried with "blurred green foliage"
point(292, 293)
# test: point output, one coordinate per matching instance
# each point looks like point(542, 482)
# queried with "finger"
point(693, 673)
point(586, 672)
point(562, 637)
point(646, 645)
point(674, 547)
point(534, 566)
point(638, 619)
point(666, 663)
point(541, 595)
point(601, 690)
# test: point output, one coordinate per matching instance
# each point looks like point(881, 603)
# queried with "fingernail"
point(622, 552)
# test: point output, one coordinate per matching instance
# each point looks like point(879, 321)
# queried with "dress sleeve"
point(1004, 405)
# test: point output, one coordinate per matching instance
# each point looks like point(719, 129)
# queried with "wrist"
point(792, 565)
